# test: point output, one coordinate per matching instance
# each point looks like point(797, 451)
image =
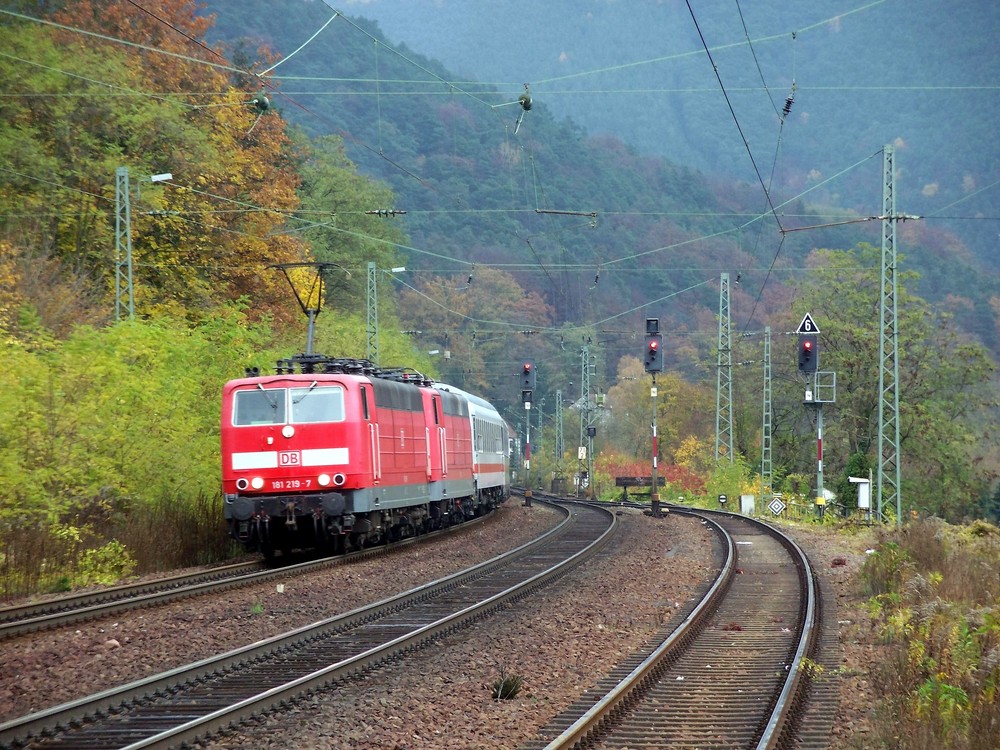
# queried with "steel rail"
point(77, 712)
point(20, 620)
point(79, 600)
point(625, 691)
point(594, 723)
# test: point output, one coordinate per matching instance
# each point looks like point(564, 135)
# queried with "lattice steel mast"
point(560, 442)
point(766, 469)
point(724, 379)
point(372, 350)
point(124, 297)
point(585, 412)
point(887, 483)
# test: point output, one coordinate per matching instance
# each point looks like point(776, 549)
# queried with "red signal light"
point(654, 360)
point(527, 375)
point(808, 353)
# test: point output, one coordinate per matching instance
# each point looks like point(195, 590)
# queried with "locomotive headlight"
point(324, 480)
point(257, 482)
point(287, 430)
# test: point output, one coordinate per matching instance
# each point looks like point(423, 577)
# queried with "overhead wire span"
point(550, 329)
point(753, 52)
point(301, 46)
point(131, 92)
point(403, 169)
point(395, 164)
point(137, 45)
point(415, 64)
point(716, 48)
point(729, 103)
point(933, 214)
point(229, 68)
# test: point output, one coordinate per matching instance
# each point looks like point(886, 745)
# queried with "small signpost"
point(776, 506)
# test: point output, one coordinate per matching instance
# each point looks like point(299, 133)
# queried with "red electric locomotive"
point(338, 454)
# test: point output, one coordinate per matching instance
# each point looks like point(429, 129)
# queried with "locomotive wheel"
point(338, 544)
point(265, 540)
point(267, 549)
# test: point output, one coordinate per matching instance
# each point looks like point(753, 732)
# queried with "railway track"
point(198, 700)
point(731, 674)
point(28, 618)
point(53, 613)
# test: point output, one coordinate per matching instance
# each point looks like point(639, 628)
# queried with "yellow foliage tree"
point(90, 106)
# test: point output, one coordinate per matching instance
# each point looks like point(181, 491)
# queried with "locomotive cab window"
point(314, 404)
point(259, 407)
point(305, 405)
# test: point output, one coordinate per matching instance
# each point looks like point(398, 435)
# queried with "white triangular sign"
point(807, 325)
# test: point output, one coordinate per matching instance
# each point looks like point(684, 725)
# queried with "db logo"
point(289, 458)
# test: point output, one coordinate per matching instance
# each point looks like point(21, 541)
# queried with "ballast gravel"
point(560, 641)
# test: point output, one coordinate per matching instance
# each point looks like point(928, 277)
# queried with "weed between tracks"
point(507, 686)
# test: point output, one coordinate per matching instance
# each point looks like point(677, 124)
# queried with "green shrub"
point(507, 686)
point(885, 569)
point(934, 601)
point(106, 564)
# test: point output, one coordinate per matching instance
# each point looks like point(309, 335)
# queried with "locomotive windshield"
point(317, 404)
point(259, 407)
point(306, 405)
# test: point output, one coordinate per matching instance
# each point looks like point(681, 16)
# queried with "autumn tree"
point(80, 107)
point(683, 411)
point(946, 385)
point(478, 322)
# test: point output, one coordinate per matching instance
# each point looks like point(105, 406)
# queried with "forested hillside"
point(919, 74)
point(521, 235)
point(644, 222)
point(109, 455)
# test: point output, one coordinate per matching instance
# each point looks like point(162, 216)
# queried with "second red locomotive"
point(339, 454)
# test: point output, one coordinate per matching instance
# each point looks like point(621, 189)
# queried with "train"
point(338, 454)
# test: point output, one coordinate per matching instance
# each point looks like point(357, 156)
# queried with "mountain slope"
point(473, 188)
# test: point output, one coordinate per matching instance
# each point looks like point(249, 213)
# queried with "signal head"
point(808, 353)
point(527, 375)
point(654, 353)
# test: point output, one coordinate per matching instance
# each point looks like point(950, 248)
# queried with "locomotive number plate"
point(291, 484)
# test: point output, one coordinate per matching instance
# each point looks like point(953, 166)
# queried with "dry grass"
point(102, 541)
point(934, 596)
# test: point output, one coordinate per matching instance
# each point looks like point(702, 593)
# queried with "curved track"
point(730, 675)
point(195, 701)
point(64, 610)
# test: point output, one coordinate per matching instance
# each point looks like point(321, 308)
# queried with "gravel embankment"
point(560, 642)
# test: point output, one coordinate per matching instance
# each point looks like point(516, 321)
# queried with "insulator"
point(525, 102)
point(788, 105)
point(261, 103)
